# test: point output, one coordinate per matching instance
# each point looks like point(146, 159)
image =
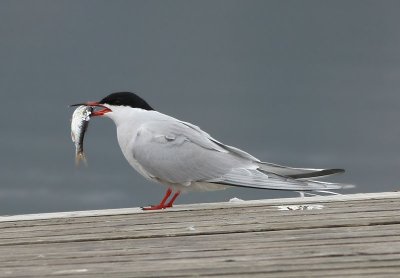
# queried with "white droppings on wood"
point(300, 207)
point(235, 200)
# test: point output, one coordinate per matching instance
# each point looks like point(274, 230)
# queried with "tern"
point(183, 157)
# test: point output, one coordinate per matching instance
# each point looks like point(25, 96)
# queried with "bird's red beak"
point(99, 112)
point(95, 104)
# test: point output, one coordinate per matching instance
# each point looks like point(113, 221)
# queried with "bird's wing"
point(178, 152)
point(297, 173)
point(175, 152)
point(259, 179)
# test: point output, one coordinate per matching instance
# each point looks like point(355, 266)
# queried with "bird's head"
point(115, 102)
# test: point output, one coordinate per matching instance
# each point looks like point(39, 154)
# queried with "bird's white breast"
point(128, 122)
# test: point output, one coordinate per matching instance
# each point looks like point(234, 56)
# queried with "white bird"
point(184, 158)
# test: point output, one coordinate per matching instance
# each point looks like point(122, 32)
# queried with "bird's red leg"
point(161, 205)
point(172, 199)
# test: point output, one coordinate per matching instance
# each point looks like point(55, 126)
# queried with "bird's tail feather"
point(253, 178)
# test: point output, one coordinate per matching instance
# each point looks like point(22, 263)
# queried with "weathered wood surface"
point(343, 236)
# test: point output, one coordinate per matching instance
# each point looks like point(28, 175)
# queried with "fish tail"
point(80, 156)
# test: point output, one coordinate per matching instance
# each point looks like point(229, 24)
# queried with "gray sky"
point(300, 83)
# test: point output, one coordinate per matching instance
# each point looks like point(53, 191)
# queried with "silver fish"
point(79, 124)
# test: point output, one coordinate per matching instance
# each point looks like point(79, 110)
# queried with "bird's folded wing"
point(174, 152)
point(297, 173)
point(257, 179)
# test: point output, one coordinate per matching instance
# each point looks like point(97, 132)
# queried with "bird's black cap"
point(126, 99)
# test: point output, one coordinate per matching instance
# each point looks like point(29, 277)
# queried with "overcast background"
point(300, 83)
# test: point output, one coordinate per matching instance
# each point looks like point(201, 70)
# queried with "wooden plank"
point(355, 236)
point(242, 214)
point(180, 216)
point(131, 230)
point(208, 206)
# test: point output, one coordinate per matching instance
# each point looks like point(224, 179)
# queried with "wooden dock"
point(336, 236)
